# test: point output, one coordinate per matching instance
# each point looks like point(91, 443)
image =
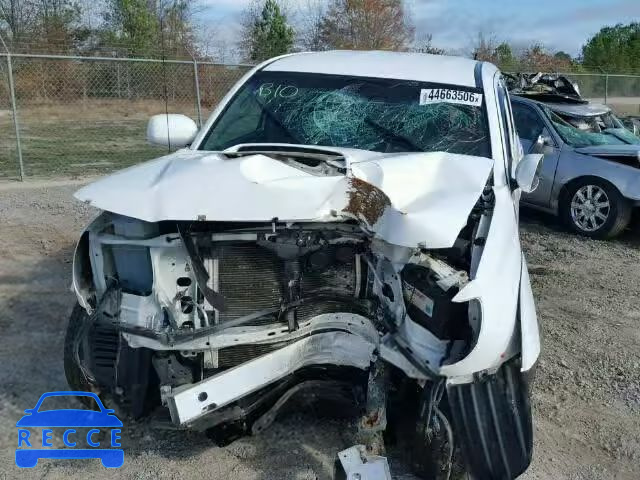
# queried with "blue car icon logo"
point(33, 447)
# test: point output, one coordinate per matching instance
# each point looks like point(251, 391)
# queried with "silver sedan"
point(591, 180)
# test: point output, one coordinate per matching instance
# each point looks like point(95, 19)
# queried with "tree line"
point(154, 28)
point(113, 27)
point(385, 25)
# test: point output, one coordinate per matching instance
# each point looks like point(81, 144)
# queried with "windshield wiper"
point(393, 135)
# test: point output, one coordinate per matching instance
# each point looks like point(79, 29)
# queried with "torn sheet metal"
point(431, 194)
point(358, 465)
point(544, 86)
point(332, 348)
point(407, 199)
point(264, 334)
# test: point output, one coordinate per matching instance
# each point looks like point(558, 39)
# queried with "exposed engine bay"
point(226, 319)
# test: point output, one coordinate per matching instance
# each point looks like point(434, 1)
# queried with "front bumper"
point(189, 403)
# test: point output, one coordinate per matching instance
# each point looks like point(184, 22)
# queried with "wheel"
point(99, 349)
point(595, 208)
point(493, 425)
point(75, 378)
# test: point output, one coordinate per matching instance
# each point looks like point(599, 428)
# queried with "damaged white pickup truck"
point(344, 221)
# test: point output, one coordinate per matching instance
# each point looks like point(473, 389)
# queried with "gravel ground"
point(586, 398)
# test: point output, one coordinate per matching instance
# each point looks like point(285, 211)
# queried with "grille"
point(251, 278)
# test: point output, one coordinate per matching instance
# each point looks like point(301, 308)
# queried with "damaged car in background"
point(345, 223)
point(562, 96)
point(590, 177)
point(594, 118)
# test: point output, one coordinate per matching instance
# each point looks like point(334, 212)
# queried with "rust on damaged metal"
point(366, 201)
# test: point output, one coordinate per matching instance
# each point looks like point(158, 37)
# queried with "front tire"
point(594, 208)
point(493, 424)
point(75, 377)
point(120, 375)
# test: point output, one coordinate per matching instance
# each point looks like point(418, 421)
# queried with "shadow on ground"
point(531, 217)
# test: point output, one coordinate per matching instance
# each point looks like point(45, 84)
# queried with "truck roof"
point(420, 67)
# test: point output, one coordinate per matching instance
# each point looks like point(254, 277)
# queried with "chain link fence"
point(76, 116)
point(8, 156)
point(620, 92)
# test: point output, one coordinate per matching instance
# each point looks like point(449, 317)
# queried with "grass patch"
point(74, 141)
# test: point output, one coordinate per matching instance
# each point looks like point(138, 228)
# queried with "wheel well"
point(566, 188)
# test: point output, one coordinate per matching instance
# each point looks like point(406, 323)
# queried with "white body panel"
point(333, 348)
point(496, 287)
point(430, 194)
point(379, 64)
point(529, 328)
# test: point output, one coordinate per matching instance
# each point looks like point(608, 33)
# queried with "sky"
point(557, 24)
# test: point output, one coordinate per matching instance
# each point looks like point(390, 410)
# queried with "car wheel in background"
point(594, 208)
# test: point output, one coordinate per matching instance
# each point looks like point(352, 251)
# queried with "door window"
point(528, 122)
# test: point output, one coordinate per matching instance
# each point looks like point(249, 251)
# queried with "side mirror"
point(528, 172)
point(542, 144)
point(171, 130)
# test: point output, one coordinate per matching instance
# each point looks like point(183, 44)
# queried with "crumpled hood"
point(580, 109)
point(407, 199)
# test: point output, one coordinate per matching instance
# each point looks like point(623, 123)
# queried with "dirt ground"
point(586, 397)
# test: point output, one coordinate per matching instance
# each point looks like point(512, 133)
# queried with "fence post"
point(14, 108)
point(606, 87)
point(197, 88)
point(118, 79)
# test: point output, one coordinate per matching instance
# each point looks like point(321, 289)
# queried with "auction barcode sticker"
point(447, 95)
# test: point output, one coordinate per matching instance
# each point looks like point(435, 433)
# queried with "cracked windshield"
point(381, 115)
point(579, 137)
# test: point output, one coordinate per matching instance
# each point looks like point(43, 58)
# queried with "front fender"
point(529, 327)
point(82, 281)
point(572, 165)
point(496, 287)
point(82, 276)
